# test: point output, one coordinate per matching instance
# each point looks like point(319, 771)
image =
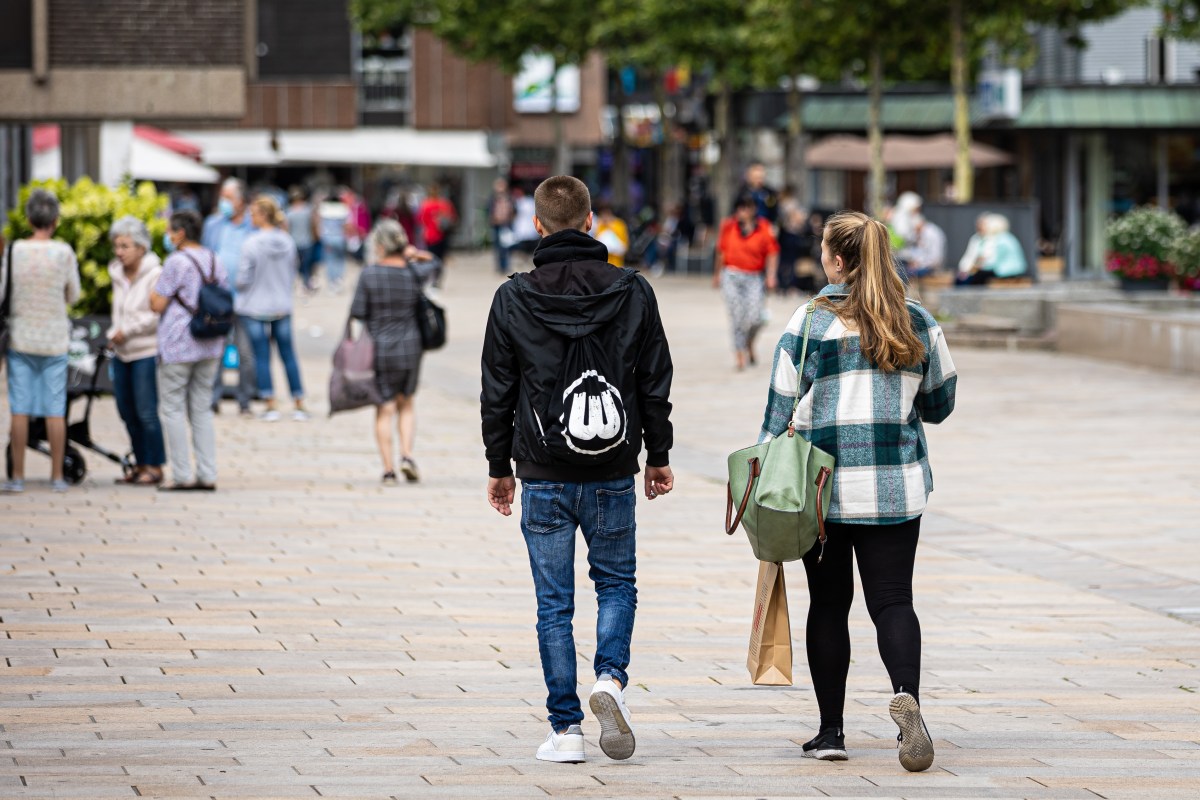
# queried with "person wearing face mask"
point(186, 365)
point(225, 233)
point(133, 337)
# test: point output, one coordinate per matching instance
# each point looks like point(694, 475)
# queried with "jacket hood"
point(272, 241)
point(150, 261)
point(573, 290)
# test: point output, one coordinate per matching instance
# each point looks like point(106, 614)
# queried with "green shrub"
point(86, 212)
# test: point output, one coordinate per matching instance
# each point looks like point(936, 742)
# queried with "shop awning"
point(1112, 107)
point(899, 153)
point(1075, 107)
point(240, 148)
point(154, 155)
point(923, 112)
point(387, 146)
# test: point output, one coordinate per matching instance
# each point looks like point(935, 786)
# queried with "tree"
point(500, 31)
point(790, 45)
point(900, 40)
point(1004, 24)
point(710, 37)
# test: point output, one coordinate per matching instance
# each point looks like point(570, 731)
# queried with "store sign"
point(531, 86)
point(999, 94)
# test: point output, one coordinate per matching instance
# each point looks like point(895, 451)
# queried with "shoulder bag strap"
point(8, 269)
point(195, 264)
point(808, 315)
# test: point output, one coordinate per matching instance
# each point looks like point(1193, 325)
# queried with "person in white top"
point(133, 337)
point(45, 281)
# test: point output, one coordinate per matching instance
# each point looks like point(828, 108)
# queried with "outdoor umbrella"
point(899, 153)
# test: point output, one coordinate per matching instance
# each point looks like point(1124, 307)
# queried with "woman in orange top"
point(747, 254)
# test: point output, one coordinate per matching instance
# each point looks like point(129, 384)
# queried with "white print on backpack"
point(593, 417)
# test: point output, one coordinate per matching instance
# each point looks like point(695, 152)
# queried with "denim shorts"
point(37, 385)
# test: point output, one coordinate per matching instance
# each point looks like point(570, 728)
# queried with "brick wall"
point(146, 33)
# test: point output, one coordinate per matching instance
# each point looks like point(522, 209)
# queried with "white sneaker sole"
point(916, 749)
point(826, 755)
point(616, 737)
point(562, 757)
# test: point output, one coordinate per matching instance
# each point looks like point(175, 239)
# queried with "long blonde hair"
point(875, 301)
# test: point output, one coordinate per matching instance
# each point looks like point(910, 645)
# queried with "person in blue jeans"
point(576, 374)
point(133, 337)
point(263, 303)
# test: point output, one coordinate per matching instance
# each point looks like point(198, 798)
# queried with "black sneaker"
point(916, 746)
point(828, 745)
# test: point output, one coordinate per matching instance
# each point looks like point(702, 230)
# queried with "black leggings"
point(885, 555)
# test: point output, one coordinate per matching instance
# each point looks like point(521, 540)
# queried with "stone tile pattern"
point(307, 633)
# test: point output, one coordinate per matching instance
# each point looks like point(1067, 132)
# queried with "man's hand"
point(659, 480)
point(501, 492)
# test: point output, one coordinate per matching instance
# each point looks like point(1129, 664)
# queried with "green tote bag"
point(779, 490)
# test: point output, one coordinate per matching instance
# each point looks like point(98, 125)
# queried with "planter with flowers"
point(1139, 248)
point(1185, 255)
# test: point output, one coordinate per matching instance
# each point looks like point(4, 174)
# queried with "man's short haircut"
point(41, 209)
point(187, 221)
point(562, 203)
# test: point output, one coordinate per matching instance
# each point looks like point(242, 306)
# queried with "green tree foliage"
point(86, 212)
point(1181, 18)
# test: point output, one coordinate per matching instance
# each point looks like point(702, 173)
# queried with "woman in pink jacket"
point(134, 338)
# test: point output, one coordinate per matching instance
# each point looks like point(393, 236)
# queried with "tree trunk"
point(964, 173)
point(797, 171)
point(665, 148)
point(620, 165)
point(877, 179)
point(562, 158)
point(723, 180)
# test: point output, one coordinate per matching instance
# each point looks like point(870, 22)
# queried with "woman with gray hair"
point(133, 337)
point(45, 281)
point(386, 300)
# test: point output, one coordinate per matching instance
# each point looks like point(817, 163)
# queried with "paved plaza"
point(306, 632)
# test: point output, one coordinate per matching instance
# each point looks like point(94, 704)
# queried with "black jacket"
point(572, 291)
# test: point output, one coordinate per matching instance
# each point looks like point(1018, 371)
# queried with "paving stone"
point(305, 632)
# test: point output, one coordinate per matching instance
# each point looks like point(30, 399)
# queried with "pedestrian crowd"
point(576, 376)
point(222, 299)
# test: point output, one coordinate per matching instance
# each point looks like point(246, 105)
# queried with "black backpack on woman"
point(213, 315)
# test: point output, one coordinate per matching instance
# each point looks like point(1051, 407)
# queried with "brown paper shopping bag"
point(770, 657)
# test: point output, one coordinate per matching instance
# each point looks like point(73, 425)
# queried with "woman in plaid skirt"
point(386, 300)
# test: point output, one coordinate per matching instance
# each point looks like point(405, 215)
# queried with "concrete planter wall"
point(1135, 334)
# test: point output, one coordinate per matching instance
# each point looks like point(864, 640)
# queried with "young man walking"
point(576, 374)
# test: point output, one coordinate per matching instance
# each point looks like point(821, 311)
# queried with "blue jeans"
point(261, 332)
point(135, 388)
point(604, 511)
point(333, 256)
point(501, 251)
point(308, 262)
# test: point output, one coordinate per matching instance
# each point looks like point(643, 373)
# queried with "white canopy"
point(147, 161)
point(242, 148)
point(150, 162)
point(386, 146)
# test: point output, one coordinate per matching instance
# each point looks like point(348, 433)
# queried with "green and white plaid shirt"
point(871, 421)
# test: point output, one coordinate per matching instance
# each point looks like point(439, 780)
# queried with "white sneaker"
point(608, 705)
point(271, 415)
point(300, 415)
point(564, 748)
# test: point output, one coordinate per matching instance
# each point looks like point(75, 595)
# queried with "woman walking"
point(877, 369)
point(747, 252)
point(44, 277)
point(133, 337)
point(263, 303)
point(187, 366)
point(386, 300)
